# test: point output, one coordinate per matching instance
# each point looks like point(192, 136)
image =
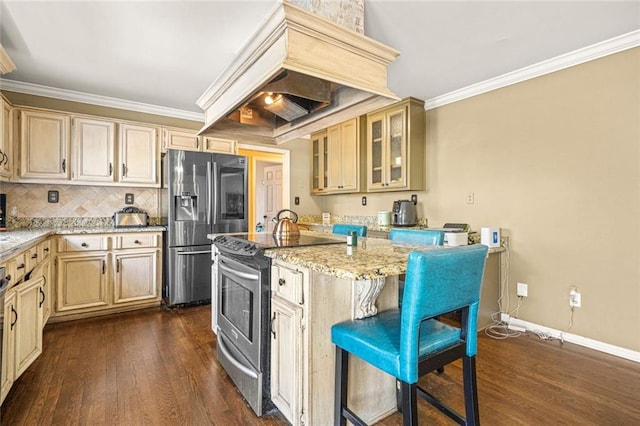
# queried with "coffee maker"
point(404, 213)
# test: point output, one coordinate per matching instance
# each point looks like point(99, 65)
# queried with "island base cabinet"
point(286, 359)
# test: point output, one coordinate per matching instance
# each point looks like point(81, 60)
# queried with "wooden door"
point(138, 154)
point(136, 276)
point(272, 178)
point(29, 304)
point(94, 150)
point(81, 282)
point(6, 140)
point(44, 145)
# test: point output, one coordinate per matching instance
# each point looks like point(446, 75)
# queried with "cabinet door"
point(396, 158)
point(181, 139)
point(44, 145)
point(138, 154)
point(223, 146)
point(81, 282)
point(8, 343)
point(6, 140)
point(136, 276)
point(29, 304)
point(349, 156)
point(286, 359)
point(376, 151)
point(319, 163)
point(334, 158)
point(44, 271)
point(94, 148)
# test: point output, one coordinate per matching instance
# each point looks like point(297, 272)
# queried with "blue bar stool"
point(418, 236)
point(408, 343)
point(343, 229)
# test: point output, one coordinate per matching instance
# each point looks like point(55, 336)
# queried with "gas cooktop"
point(251, 244)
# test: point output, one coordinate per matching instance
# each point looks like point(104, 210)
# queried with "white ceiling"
point(166, 53)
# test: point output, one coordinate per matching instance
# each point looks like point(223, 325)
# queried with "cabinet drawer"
point(31, 258)
point(82, 243)
point(287, 284)
point(128, 241)
point(16, 267)
point(44, 249)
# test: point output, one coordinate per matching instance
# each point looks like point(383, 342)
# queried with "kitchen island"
point(316, 287)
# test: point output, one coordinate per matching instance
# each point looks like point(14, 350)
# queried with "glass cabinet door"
point(376, 150)
point(319, 162)
point(395, 165)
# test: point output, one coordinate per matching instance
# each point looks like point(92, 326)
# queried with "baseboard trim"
point(573, 338)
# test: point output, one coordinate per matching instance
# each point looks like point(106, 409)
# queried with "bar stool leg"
point(342, 374)
point(472, 413)
point(409, 404)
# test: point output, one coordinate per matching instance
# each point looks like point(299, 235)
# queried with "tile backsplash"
point(30, 200)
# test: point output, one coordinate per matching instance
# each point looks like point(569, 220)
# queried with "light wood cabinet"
point(81, 282)
point(44, 145)
point(6, 140)
point(138, 153)
point(319, 163)
point(29, 305)
point(396, 147)
point(98, 273)
point(189, 140)
point(93, 142)
point(287, 337)
point(335, 156)
point(8, 344)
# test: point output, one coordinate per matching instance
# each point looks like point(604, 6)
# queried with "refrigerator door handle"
point(215, 186)
point(209, 193)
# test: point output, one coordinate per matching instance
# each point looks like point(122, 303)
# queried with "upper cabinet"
point(189, 140)
point(336, 158)
point(57, 147)
point(6, 140)
point(94, 146)
point(138, 154)
point(44, 145)
point(396, 138)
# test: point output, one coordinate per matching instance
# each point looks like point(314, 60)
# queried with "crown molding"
point(105, 101)
point(586, 54)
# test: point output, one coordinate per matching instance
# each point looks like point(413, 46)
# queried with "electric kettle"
point(285, 226)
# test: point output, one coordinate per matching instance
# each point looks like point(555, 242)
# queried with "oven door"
point(240, 299)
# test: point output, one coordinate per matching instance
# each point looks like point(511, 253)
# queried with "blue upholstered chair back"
point(343, 229)
point(422, 236)
point(437, 282)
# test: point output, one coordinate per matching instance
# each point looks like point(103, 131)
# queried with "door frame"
point(267, 154)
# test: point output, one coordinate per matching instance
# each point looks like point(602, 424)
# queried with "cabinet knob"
point(34, 256)
point(137, 242)
point(281, 282)
point(46, 250)
point(20, 266)
point(84, 245)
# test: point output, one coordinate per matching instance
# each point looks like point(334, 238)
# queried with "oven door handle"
point(188, 253)
point(246, 276)
point(236, 363)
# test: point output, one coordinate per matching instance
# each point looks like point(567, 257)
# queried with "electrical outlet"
point(296, 201)
point(575, 299)
point(414, 198)
point(523, 290)
point(364, 201)
point(53, 196)
point(470, 198)
point(128, 198)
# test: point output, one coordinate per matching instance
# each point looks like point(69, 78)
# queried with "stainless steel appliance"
point(404, 213)
point(130, 217)
point(205, 194)
point(243, 307)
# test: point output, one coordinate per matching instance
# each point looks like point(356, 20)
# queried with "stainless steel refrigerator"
point(202, 194)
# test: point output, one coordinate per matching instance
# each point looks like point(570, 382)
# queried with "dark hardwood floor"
point(158, 367)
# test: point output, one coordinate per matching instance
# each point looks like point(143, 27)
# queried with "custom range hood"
point(297, 74)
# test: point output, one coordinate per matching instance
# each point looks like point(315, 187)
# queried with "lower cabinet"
point(98, 273)
point(22, 340)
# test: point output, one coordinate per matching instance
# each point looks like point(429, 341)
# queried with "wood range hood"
point(317, 73)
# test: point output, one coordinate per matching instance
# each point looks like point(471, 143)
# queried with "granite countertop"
point(17, 240)
point(371, 258)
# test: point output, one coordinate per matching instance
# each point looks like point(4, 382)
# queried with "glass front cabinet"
point(396, 147)
point(319, 162)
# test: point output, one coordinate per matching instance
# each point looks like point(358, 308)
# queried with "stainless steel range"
point(241, 306)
